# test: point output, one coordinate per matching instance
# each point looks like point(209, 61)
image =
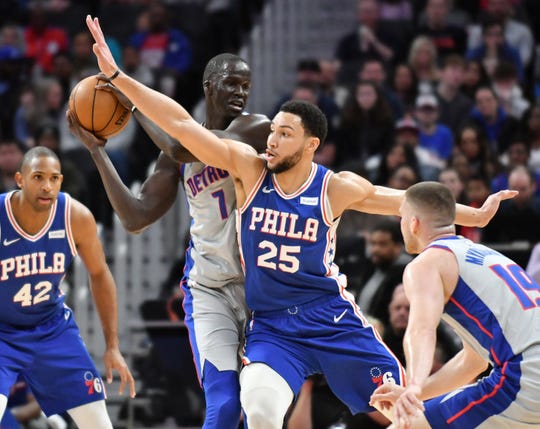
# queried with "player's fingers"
point(109, 375)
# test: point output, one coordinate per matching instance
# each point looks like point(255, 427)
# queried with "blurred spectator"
point(167, 51)
point(459, 162)
point(474, 78)
point(62, 70)
point(403, 177)
point(498, 126)
point(408, 133)
point(518, 35)
point(478, 188)
point(494, 49)
point(517, 218)
point(448, 38)
point(383, 270)
point(450, 178)
point(423, 60)
point(398, 311)
point(365, 126)
point(84, 60)
point(530, 126)
point(405, 86)
point(473, 144)
point(509, 92)
point(74, 182)
point(371, 39)
point(381, 166)
point(374, 70)
point(454, 106)
point(11, 155)
point(42, 40)
point(518, 153)
point(131, 60)
point(434, 136)
point(14, 71)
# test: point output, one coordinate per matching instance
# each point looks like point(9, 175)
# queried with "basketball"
point(98, 110)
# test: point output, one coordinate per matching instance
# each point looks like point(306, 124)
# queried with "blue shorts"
point(327, 336)
point(54, 361)
point(470, 406)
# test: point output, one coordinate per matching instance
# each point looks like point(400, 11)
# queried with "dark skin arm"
point(156, 195)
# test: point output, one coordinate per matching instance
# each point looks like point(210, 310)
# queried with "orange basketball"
point(98, 110)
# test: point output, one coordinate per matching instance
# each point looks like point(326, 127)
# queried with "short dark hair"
point(435, 199)
point(37, 152)
point(313, 119)
point(215, 64)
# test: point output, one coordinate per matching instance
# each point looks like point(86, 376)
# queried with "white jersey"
point(495, 308)
point(213, 257)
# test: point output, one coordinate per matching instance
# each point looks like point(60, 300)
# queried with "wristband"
point(133, 108)
point(114, 75)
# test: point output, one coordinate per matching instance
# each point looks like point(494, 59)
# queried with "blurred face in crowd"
point(366, 96)
point(395, 157)
point(520, 180)
point(453, 75)
point(403, 78)
point(460, 163)
point(493, 35)
point(500, 9)
point(534, 121)
point(468, 143)
point(518, 154)
point(373, 71)
point(450, 178)
point(477, 191)
point(368, 12)
point(436, 13)
point(10, 158)
point(403, 177)
point(472, 74)
point(486, 103)
point(427, 115)
point(383, 250)
point(398, 310)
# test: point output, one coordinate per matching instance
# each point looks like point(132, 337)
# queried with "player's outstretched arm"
point(157, 193)
point(171, 116)
point(103, 291)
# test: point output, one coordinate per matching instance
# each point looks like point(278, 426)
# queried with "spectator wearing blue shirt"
point(434, 136)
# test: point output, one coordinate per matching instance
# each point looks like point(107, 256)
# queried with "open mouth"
point(237, 105)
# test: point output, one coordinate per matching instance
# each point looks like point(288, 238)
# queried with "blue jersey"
point(287, 243)
point(32, 266)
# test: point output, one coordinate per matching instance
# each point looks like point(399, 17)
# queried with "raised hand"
point(106, 62)
point(90, 140)
point(491, 205)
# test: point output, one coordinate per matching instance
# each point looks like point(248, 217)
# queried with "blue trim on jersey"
point(472, 405)
point(483, 326)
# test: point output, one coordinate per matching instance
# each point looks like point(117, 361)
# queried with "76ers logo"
point(93, 384)
point(378, 378)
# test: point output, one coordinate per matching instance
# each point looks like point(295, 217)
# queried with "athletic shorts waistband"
point(295, 309)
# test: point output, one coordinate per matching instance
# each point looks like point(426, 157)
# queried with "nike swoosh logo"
point(338, 318)
point(8, 242)
point(267, 190)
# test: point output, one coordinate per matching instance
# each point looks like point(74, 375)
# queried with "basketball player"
point(491, 303)
point(42, 230)
point(303, 320)
point(213, 282)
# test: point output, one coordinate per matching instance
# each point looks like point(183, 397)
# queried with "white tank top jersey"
point(212, 258)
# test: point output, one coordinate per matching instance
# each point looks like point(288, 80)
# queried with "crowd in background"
point(444, 90)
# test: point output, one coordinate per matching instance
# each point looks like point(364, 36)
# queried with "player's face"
point(230, 89)
point(40, 182)
point(286, 142)
point(411, 243)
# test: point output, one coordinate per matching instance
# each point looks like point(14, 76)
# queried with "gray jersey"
point(213, 257)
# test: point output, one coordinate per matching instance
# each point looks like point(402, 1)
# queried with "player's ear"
point(207, 87)
point(414, 225)
point(18, 179)
point(314, 143)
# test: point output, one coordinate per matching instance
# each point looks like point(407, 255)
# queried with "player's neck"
point(291, 180)
point(29, 219)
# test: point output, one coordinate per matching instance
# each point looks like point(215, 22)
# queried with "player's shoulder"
point(79, 212)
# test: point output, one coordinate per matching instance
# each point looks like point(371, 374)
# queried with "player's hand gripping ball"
point(98, 110)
